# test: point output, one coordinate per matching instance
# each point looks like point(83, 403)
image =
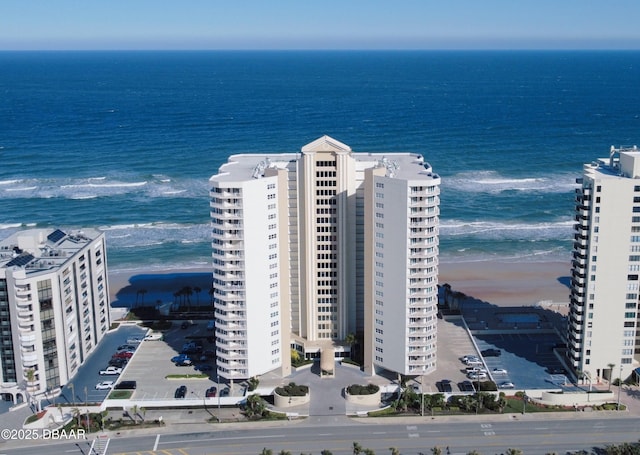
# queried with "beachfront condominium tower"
point(315, 250)
point(603, 340)
point(54, 307)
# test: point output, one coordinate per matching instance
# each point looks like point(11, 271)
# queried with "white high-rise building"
point(311, 247)
point(602, 336)
point(54, 307)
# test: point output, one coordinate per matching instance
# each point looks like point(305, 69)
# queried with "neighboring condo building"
point(604, 309)
point(54, 307)
point(311, 247)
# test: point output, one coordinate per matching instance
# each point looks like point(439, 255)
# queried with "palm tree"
point(368, 452)
point(134, 409)
point(357, 448)
point(284, 452)
point(197, 290)
point(255, 406)
point(511, 451)
point(266, 451)
point(351, 341)
point(326, 452)
point(436, 451)
point(610, 365)
point(394, 451)
point(75, 412)
point(144, 413)
point(188, 292)
point(30, 375)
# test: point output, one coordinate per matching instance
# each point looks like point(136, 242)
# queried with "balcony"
point(27, 338)
point(228, 316)
point(30, 359)
point(22, 291)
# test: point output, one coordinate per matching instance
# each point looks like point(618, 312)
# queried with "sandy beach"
point(509, 284)
point(499, 283)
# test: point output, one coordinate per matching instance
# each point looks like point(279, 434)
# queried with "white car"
point(477, 375)
point(499, 371)
point(134, 340)
point(111, 371)
point(104, 385)
point(153, 337)
point(507, 385)
point(468, 357)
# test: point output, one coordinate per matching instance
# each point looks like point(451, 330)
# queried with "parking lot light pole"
point(73, 393)
point(619, 387)
point(421, 397)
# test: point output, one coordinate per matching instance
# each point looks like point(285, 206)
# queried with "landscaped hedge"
point(292, 390)
point(357, 389)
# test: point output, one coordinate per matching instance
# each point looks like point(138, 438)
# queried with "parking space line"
point(155, 446)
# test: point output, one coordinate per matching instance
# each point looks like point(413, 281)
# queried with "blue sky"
point(323, 24)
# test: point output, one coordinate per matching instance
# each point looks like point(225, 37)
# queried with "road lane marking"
point(155, 446)
point(226, 439)
point(414, 435)
point(411, 428)
point(324, 434)
point(379, 432)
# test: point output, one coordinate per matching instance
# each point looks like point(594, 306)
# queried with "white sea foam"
point(493, 182)
point(10, 182)
point(160, 186)
point(497, 230)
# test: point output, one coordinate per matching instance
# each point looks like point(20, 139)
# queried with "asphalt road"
point(531, 436)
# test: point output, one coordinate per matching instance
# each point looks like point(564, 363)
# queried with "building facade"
point(54, 307)
point(303, 258)
point(603, 341)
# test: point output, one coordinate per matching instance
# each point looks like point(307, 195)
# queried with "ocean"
point(126, 141)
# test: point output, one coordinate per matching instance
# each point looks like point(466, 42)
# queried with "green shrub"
point(357, 389)
point(292, 390)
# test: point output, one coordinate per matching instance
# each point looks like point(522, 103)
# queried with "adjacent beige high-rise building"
point(311, 247)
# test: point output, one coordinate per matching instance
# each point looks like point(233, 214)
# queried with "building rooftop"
point(35, 250)
point(245, 167)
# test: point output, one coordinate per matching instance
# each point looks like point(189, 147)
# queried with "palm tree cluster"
point(182, 298)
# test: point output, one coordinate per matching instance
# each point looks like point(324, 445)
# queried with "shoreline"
point(501, 283)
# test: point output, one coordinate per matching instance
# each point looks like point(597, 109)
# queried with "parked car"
point(104, 385)
point(211, 392)
point(467, 357)
point(477, 376)
point(122, 355)
point(475, 369)
point(181, 358)
point(499, 371)
point(126, 385)
point(120, 363)
point(491, 352)
point(224, 393)
point(126, 347)
point(184, 325)
point(135, 340)
point(506, 385)
point(154, 337)
point(110, 371)
point(181, 392)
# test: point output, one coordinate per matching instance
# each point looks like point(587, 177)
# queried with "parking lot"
point(82, 387)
